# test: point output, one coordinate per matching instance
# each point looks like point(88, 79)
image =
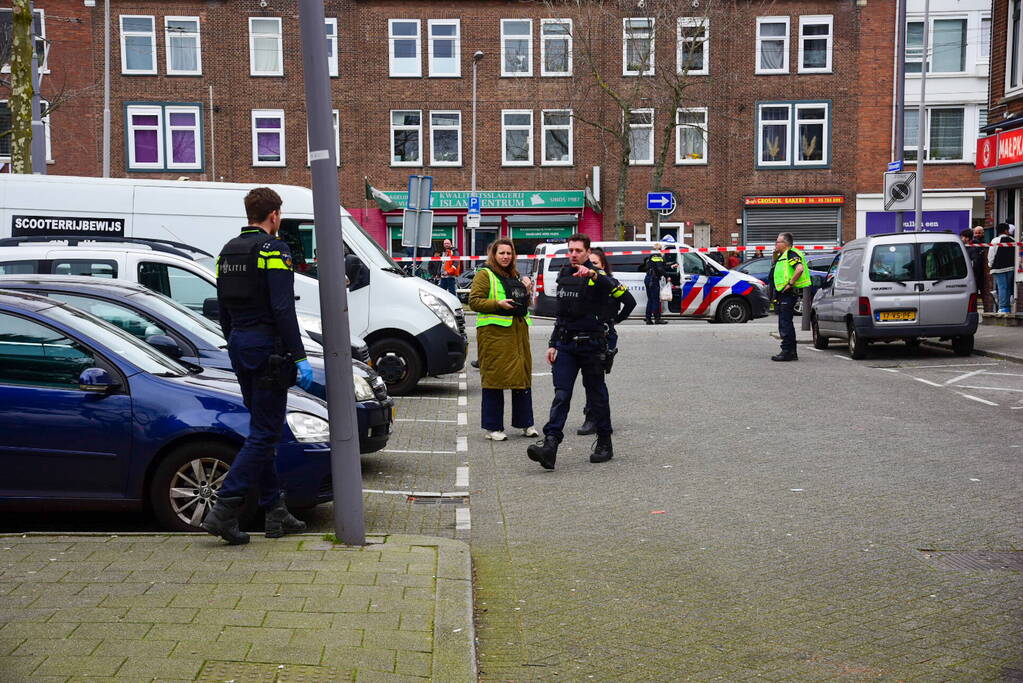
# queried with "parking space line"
point(951, 365)
point(419, 452)
point(422, 494)
point(422, 419)
point(463, 386)
point(461, 444)
point(929, 382)
point(463, 419)
point(461, 375)
point(463, 519)
point(967, 386)
point(814, 349)
point(963, 376)
point(462, 400)
point(425, 398)
point(977, 399)
point(838, 355)
point(461, 477)
point(437, 381)
point(889, 370)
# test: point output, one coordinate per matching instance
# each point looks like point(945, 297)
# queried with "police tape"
point(757, 248)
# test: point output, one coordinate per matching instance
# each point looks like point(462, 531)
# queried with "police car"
point(704, 288)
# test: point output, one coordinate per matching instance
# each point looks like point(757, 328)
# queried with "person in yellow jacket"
point(500, 297)
point(790, 277)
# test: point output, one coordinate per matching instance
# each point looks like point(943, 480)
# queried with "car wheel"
point(398, 364)
point(962, 346)
point(913, 343)
point(185, 485)
point(857, 345)
point(819, 340)
point(733, 310)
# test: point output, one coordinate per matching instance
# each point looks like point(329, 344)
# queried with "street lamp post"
point(476, 57)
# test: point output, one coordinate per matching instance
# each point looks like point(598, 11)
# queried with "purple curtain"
point(268, 146)
point(182, 146)
point(146, 148)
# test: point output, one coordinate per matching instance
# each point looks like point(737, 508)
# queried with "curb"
point(998, 355)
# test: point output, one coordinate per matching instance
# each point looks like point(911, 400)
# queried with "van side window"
point(848, 268)
point(19, 268)
point(184, 286)
point(942, 261)
point(893, 263)
point(105, 269)
point(33, 354)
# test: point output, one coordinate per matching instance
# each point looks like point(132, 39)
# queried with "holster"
point(281, 373)
point(609, 360)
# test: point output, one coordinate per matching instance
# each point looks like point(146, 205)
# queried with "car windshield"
point(207, 263)
point(141, 355)
point(182, 318)
point(893, 263)
point(375, 255)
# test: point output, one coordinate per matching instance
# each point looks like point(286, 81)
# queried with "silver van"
point(901, 286)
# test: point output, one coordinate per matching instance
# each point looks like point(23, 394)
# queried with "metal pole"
point(899, 142)
point(106, 88)
point(38, 130)
point(346, 466)
point(921, 124)
point(475, 62)
point(213, 146)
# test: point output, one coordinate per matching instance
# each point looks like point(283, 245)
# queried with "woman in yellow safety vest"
point(500, 297)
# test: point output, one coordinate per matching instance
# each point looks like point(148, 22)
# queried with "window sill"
point(520, 164)
point(1011, 96)
point(556, 75)
point(139, 73)
point(404, 75)
point(811, 72)
point(641, 163)
point(165, 170)
point(406, 164)
point(771, 73)
point(692, 73)
point(280, 75)
point(556, 164)
point(193, 75)
point(444, 76)
point(446, 164)
point(529, 75)
point(281, 164)
point(692, 162)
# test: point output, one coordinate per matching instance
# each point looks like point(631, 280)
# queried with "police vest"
point(498, 292)
point(578, 297)
point(238, 277)
point(784, 268)
point(655, 267)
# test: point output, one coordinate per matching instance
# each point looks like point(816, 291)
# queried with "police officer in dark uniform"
point(617, 308)
point(578, 343)
point(655, 268)
point(255, 289)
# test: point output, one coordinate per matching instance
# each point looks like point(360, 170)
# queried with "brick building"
point(785, 121)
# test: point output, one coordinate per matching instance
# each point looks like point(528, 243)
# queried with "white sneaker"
point(530, 431)
point(496, 436)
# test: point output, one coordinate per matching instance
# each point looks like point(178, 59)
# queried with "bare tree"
point(22, 45)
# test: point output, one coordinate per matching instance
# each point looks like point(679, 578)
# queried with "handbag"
point(665, 291)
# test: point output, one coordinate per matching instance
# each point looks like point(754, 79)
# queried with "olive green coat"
point(503, 352)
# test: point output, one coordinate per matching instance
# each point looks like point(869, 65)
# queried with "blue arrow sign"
point(659, 201)
point(474, 205)
point(895, 166)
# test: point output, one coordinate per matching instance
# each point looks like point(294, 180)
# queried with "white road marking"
point(815, 349)
point(463, 519)
point(889, 370)
point(1016, 408)
point(461, 375)
point(838, 355)
point(425, 398)
point(423, 494)
point(463, 386)
point(463, 419)
point(461, 477)
point(1003, 374)
point(967, 386)
point(420, 452)
point(951, 365)
point(929, 382)
point(541, 374)
point(461, 444)
point(462, 401)
point(431, 382)
point(978, 400)
point(964, 376)
point(421, 419)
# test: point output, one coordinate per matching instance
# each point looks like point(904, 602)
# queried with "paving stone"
point(225, 601)
point(280, 604)
point(162, 615)
point(118, 631)
point(414, 663)
point(360, 658)
point(416, 622)
point(298, 620)
point(298, 576)
point(89, 614)
point(9, 645)
point(314, 674)
point(381, 677)
point(158, 667)
point(331, 637)
point(416, 641)
point(184, 632)
point(56, 665)
point(63, 646)
point(233, 617)
point(355, 620)
point(256, 634)
point(334, 605)
point(206, 649)
point(285, 654)
point(214, 671)
point(24, 629)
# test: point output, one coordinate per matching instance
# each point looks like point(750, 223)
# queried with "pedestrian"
point(578, 343)
point(617, 308)
point(1002, 261)
point(791, 275)
point(433, 268)
point(499, 295)
point(983, 292)
point(452, 268)
point(656, 270)
point(978, 260)
point(256, 293)
point(733, 261)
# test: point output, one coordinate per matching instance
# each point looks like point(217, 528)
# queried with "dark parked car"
point(92, 417)
point(760, 268)
point(181, 333)
point(464, 281)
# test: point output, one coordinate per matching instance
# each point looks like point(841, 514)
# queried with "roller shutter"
point(808, 225)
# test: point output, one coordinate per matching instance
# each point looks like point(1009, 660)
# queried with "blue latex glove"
point(305, 374)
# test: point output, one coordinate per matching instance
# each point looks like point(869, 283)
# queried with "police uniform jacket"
point(582, 302)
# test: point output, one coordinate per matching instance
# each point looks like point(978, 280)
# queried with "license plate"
point(886, 316)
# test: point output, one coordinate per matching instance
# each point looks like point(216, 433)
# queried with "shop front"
point(812, 219)
point(1000, 162)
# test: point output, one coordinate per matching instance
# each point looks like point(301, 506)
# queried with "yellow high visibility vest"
point(497, 293)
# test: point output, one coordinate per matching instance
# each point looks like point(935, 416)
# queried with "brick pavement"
point(146, 607)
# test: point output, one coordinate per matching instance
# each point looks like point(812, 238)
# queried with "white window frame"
point(566, 37)
point(124, 53)
point(198, 46)
point(161, 146)
point(794, 147)
point(529, 51)
point(336, 116)
point(268, 113)
point(685, 161)
point(46, 128)
point(645, 161)
point(45, 66)
point(391, 39)
point(390, 140)
point(197, 129)
point(787, 161)
point(1011, 89)
point(625, 46)
point(332, 40)
point(786, 47)
point(457, 129)
point(544, 127)
point(681, 41)
point(970, 115)
point(504, 133)
point(434, 72)
point(280, 48)
point(985, 57)
point(816, 20)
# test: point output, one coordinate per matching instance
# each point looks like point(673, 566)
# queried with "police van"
point(413, 328)
point(704, 289)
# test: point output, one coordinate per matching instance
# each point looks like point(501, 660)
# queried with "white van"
point(705, 288)
point(413, 328)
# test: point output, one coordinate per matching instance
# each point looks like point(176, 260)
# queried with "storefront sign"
point(439, 233)
point(541, 199)
point(880, 222)
point(26, 226)
point(1003, 149)
point(542, 233)
point(828, 200)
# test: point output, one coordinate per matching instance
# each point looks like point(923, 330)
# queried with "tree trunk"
point(21, 87)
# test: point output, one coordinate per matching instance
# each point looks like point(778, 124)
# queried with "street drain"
point(975, 560)
point(438, 500)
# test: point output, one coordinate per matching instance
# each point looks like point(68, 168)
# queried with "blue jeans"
point(253, 468)
point(492, 409)
point(1003, 282)
point(612, 344)
point(653, 298)
point(786, 330)
point(572, 358)
point(448, 284)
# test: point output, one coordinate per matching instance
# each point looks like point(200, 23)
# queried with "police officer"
point(656, 269)
point(790, 277)
point(578, 343)
point(617, 308)
point(255, 289)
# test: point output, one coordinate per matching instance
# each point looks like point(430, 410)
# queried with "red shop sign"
point(1003, 149)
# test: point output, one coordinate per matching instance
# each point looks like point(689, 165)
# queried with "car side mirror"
point(829, 280)
point(211, 308)
point(357, 272)
point(97, 381)
point(165, 345)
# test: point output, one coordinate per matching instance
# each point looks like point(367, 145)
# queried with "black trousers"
point(786, 312)
point(575, 357)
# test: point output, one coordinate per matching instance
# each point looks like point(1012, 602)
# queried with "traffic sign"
point(416, 228)
point(899, 191)
point(895, 166)
point(420, 189)
point(474, 205)
point(472, 221)
point(660, 201)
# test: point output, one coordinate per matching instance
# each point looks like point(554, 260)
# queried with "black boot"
point(785, 356)
point(659, 321)
point(222, 520)
point(649, 321)
point(279, 521)
point(544, 452)
point(588, 428)
point(602, 449)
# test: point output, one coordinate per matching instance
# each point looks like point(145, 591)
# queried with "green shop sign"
point(541, 233)
point(558, 199)
point(439, 233)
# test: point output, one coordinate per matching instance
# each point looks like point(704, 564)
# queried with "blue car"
point(181, 333)
point(760, 268)
point(92, 417)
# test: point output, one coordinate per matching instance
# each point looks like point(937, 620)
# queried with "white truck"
point(413, 328)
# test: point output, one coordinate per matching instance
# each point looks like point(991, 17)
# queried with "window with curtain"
point(772, 45)
point(266, 47)
point(946, 134)
point(406, 61)
point(914, 46)
point(691, 136)
point(145, 138)
point(183, 48)
point(949, 51)
point(811, 133)
point(911, 130)
point(268, 137)
point(517, 136)
point(183, 137)
point(774, 134)
point(641, 136)
point(445, 138)
point(638, 46)
point(556, 125)
point(406, 138)
point(445, 48)
point(985, 40)
point(693, 45)
point(815, 41)
point(330, 24)
point(1013, 50)
point(556, 47)
point(336, 117)
point(138, 45)
point(516, 47)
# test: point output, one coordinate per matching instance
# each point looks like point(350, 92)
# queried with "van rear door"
point(945, 285)
point(891, 275)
